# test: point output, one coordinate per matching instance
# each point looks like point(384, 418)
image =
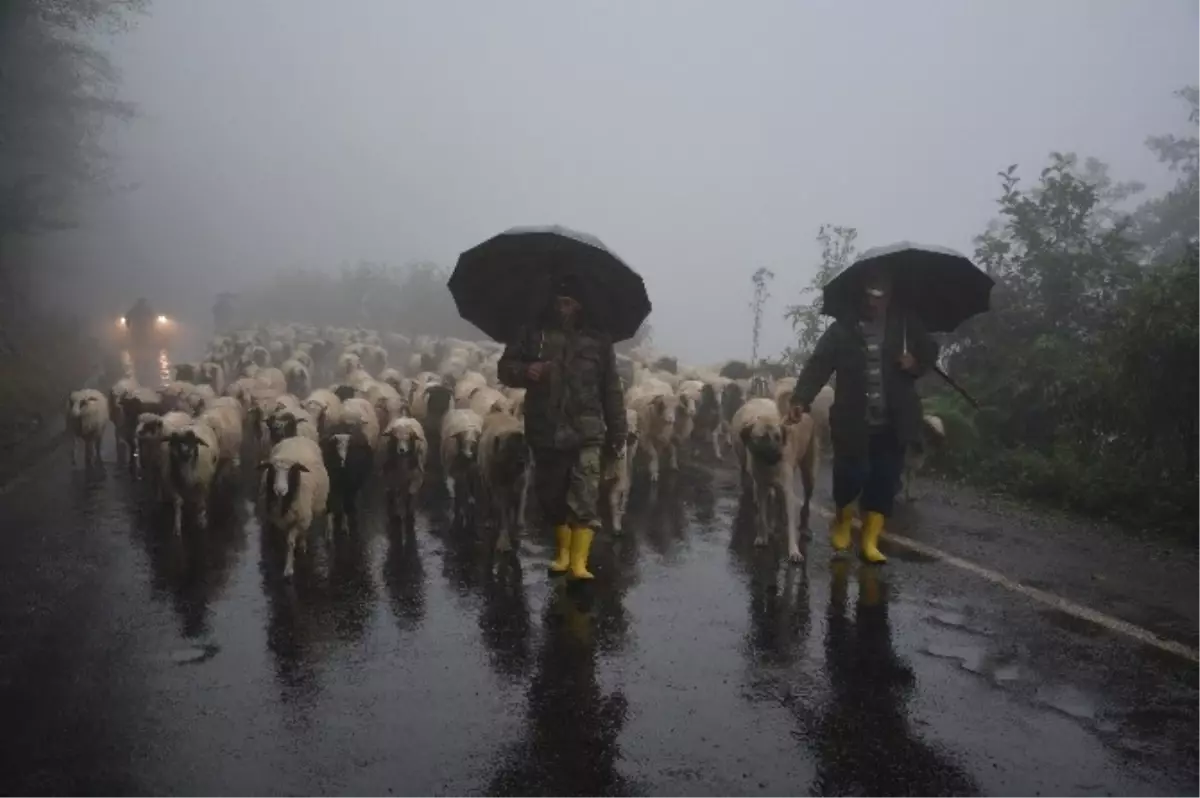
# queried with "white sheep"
point(148, 436)
point(487, 400)
point(272, 378)
point(224, 415)
point(348, 362)
point(324, 407)
point(192, 456)
point(617, 472)
point(359, 411)
point(213, 373)
point(465, 385)
point(388, 403)
point(503, 468)
point(405, 452)
point(459, 457)
point(657, 408)
point(297, 378)
point(516, 398)
point(296, 491)
point(87, 418)
point(198, 398)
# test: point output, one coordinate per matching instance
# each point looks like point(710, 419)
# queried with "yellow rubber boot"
point(581, 544)
point(562, 535)
point(872, 529)
point(840, 537)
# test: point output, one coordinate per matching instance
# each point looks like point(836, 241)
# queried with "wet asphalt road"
point(422, 664)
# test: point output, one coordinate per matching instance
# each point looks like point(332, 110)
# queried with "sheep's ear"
point(659, 404)
point(745, 434)
point(301, 467)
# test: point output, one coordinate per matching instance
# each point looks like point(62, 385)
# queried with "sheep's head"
point(282, 426)
point(468, 445)
point(210, 372)
point(666, 407)
point(79, 402)
point(765, 439)
point(149, 428)
point(185, 372)
point(284, 479)
point(510, 449)
point(196, 403)
point(344, 392)
point(184, 445)
point(349, 363)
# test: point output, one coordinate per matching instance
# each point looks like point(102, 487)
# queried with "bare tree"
point(762, 292)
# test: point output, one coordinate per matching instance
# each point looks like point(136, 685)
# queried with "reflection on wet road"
point(420, 662)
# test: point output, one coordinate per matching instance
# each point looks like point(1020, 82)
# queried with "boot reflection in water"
point(866, 743)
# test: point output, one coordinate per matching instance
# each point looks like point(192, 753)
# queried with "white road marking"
point(1041, 596)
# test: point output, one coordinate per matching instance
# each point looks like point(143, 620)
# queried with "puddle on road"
point(193, 655)
point(955, 620)
point(1067, 699)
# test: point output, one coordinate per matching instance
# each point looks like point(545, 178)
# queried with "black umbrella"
point(507, 282)
point(939, 286)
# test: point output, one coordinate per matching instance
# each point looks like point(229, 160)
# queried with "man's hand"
point(795, 413)
point(908, 362)
point(534, 371)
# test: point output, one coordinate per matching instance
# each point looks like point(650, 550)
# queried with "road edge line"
point(1059, 603)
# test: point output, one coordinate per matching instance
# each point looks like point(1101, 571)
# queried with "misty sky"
point(699, 140)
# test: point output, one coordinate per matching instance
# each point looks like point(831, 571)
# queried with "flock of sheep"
point(388, 396)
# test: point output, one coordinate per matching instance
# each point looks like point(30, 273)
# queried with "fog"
point(699, 140)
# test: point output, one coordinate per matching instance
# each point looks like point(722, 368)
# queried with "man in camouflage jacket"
point(574, 405)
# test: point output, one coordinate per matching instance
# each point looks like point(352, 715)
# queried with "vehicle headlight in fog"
point(121, 322)
point(161, 320)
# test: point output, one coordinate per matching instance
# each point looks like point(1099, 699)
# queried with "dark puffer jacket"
point(842, 349)
point(578, 401)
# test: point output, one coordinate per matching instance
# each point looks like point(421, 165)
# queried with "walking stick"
point(938, 370)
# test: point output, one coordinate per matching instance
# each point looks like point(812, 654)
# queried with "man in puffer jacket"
point(574, 405)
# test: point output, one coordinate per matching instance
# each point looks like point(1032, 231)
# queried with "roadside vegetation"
point(1086, 368)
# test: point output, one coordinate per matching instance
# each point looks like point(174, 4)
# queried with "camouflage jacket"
point(578, 401)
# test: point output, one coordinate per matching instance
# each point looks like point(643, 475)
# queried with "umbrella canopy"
point(507, 282)
point(939, 286)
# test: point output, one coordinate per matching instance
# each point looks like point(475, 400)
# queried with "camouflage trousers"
point(567, 485)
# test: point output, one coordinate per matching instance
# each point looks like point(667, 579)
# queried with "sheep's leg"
point(74, 452)
point(289, 565)
point(761, 498)
point(202, 510)
point(808, 482)
point(450, 485)
point(716, 442)
point(177, 526)
point(793, 531)
point(653, 464)
point(504, 518)
point(908, 483)
point(351, 510)
point(614, 507)
point(522, 500)
point(673, 457)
